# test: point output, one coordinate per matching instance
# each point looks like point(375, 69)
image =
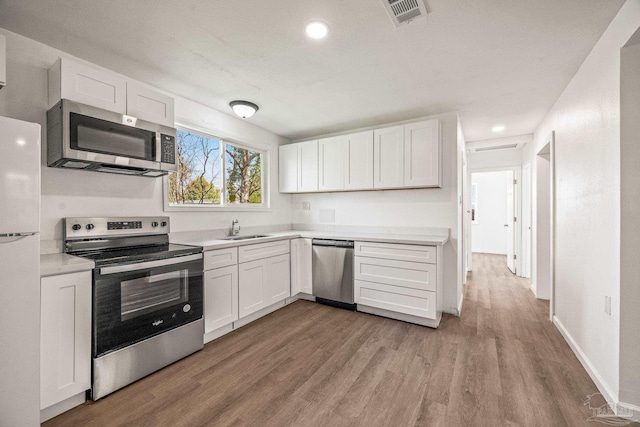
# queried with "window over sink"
point(216, 173)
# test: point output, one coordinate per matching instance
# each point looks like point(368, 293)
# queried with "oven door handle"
point(148, 264)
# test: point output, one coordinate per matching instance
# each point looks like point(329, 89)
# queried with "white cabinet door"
point(3, 60)
point(331, 163)
point(388, 155)
point(251, 287)
point(301, 256)
point(288, 168)
point(278, 280)
point(65, 337)
point(220, 297)
point(359, 161)
point(422, 154)
point(307, 166)
point(147, 104)
point(88, 85)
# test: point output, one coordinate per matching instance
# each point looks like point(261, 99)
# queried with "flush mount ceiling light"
point(317, 29)
point(498, 128)
point(244, 109)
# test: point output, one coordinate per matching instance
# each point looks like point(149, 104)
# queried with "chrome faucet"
point(235, 227)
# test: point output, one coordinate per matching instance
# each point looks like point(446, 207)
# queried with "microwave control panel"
point(168, 149)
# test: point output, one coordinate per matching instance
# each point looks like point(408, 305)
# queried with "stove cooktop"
point(137, 254)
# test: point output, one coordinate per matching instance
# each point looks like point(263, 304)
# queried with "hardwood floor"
point(502, 363)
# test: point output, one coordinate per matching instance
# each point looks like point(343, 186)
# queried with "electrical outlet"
point(607, 305)
point(306, 206)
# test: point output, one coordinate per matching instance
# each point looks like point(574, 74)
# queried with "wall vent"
point(405, 11)
point(496, 147)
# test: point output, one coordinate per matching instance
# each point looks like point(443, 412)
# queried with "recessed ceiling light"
point(498, 128)
point(317, 29)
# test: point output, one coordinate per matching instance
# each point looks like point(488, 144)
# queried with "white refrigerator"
point(19, 273)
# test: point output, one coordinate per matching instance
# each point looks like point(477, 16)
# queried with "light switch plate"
point(306, 206)
point(607, 305)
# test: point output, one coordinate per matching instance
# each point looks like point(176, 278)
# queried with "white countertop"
point(54, 264)
point(212, 244)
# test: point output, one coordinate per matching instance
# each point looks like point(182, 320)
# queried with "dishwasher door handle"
point(335, 243)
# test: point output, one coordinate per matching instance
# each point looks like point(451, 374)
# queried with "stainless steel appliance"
point(19, 273)
point(332, 278)
point(147, 297)
point(84, 137)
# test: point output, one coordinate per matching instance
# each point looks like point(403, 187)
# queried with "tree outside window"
point(214, 172)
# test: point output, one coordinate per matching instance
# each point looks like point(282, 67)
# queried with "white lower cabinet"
point(65, 337)
point(263, 282)
point(399, 281)
point(220, 297)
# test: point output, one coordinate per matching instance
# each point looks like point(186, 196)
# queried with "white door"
point(307, 166)
point(251, 283)
point(422, 154)
point(147, 104)
point(331, 157)
point(510, 224)
point(288, 168)
point(388, 157)
point(220, 297)
point(526, 220)
point(278, 280)
point(301, 256)
point(359, 163)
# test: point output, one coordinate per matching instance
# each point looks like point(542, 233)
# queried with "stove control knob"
point(163, 223)
point(76, 227)
point(186, 308)
point(154, 224)
point(90, 226)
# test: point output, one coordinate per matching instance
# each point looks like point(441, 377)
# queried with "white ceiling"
point(494, 61)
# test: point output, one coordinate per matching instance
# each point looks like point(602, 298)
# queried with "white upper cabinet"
point(88, 85)
point(331, 163)
point(422, 154)
point(298, 167)
point(402, 156)
point(359, 161)
point(95, 86)
point(308, 166)
point(3, 61)
point(388, 155)
point(147, 104)
point(288, 168)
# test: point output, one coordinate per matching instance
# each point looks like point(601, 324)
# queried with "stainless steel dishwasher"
point(332, 278)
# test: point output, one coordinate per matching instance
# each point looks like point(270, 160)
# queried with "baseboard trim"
point(60, 407)
point(586, 363)
point(453, 310)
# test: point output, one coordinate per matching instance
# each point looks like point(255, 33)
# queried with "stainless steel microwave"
point(84, 137)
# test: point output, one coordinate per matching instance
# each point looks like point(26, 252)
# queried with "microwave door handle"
point(148, 264)
point(158, 147)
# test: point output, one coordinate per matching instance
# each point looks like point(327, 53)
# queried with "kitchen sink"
point(255, 236)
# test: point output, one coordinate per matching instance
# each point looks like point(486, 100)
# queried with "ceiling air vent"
point(404, 11)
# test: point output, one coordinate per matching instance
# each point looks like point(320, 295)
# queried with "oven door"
point(133, 302)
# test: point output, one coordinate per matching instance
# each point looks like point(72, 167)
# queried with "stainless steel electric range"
point(147, 297)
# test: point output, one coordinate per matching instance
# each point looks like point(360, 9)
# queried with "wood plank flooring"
point(502, 363)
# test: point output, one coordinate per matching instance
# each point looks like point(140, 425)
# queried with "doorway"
point(494, 215)
point(542, 282)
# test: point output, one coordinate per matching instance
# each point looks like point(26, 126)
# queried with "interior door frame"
point(517, 172)
point(527, 216)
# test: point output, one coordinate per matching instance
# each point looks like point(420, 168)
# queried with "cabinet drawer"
point(220, 258)
point(262, 250)
point(396, 298)
point(414, 253)
point(413, 275)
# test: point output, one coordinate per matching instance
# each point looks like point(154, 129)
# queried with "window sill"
point(195, 208)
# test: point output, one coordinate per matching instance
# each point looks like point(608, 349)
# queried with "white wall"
point(586, 120)
point(401, 209)
point(68, 193)
point(489, 235)
point(630, 222)
point(508, 157)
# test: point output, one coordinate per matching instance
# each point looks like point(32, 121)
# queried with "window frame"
point(265, 173)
